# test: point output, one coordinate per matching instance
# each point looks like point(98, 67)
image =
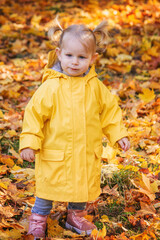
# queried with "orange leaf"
point(5, 159)
point(153, 51)
point(3, 168)
point(7, 211)
point(89, 218)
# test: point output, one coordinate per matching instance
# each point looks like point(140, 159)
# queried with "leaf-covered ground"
point(129, 206)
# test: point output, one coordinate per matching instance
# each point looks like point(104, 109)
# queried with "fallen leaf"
point(1, 114)
point(15, 154)
point(10, 133)
point(146, 210)
point(110, 154)
point(147, 96)
point(6, 159)
point(111, 191)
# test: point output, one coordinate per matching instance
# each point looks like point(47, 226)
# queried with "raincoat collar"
point(54, 69)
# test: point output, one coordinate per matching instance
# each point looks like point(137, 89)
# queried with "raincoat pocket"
point(53, 166)
point(52, 155)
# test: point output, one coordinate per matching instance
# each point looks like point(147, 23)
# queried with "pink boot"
point(37, 225)
point(76, 221)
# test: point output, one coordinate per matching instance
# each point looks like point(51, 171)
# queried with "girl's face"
point(74, 58)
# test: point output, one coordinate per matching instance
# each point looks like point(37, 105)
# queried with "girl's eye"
point(82, 57)
point(68, 55)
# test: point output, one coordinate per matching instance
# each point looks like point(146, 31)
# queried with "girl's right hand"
point(28, 154)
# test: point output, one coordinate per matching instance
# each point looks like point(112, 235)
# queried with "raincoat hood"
point(64, 123)
point(53, 68)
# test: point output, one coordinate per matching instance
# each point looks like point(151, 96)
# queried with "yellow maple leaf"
point(147, 96)
point(10, 133)
point(110, 154)
point(35, 21)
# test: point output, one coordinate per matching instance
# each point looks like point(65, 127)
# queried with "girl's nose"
point(75, 60)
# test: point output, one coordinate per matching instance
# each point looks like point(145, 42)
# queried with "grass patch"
point(27, 164)
point(7, 143)
point(118, 219)
point(122, 180)
point(112, 208)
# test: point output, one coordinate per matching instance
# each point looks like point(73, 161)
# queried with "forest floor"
point(129, 205)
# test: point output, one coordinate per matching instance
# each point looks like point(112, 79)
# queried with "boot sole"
point(68, 226)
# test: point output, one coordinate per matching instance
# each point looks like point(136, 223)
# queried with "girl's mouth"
point(74, 69)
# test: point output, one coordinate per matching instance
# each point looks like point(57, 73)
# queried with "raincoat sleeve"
point(37, 112)
point(111, 116)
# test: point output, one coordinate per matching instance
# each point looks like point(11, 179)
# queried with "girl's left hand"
point(124, 143)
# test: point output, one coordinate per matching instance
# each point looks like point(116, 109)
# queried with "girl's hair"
point(93, 41)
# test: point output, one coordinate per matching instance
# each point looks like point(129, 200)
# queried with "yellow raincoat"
point(64, 121)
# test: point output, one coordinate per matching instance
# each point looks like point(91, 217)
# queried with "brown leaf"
point(146, 210)
point(111, 191)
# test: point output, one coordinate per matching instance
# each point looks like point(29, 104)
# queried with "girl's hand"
point(124, 143)
point(28, 154)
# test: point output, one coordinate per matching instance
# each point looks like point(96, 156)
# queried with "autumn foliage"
point(129, 205)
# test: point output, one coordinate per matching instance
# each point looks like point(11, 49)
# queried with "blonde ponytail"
point(55, 31)
point(101, 35)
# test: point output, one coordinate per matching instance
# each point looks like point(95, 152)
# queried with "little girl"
point(63, 125)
